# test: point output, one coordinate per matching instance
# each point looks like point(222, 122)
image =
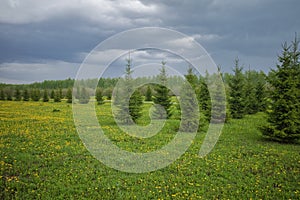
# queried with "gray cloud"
point(63, 31)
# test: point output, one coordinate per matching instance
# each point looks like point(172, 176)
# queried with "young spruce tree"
point(18, 95)
point(57, 96)
point(162, 97)
point(45, 96)
point(128, 105)
point(69, 96)
point(26, 95)
point(284, 116)
point(236, 94)
point(84, 96)
point(189, 103)
point(148, 96)
point(99, 96)
point(2, 95)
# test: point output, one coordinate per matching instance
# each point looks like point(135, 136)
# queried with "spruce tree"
point(161, 96)
point(18, 95)
point(128, 105)
point(189, 103)
point(61, 93)
point(84, 96)
point(69, 96)
point(52, 94)
point(135, 103)
point(9, 95)
point(236, 94)
point(35, 95)
point(99, 96)
point(251, 104)
point(45, 96)
point(57, 96)
point(148, 96)
point(284, 116)
point(204, 99)
point(219, 113)
point(260, 92)
point(26, 95)
point(2, 95)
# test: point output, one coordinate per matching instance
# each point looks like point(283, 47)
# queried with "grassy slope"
point(43, 157)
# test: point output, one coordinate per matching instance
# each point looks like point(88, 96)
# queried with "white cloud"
point(120, 12)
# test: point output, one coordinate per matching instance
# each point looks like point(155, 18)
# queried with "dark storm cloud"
point(41, 32)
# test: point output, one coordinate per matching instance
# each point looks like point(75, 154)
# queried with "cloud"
point(48, 31)
point(109, 13)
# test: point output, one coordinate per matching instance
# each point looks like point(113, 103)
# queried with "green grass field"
point(42, 157)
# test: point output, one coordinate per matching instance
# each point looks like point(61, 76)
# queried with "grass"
point(42, 157)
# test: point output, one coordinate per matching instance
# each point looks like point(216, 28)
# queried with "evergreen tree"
point(61, 93)
point(135, 103)
point(26, 95)
point(236, 98)
point(189, 104)
point(251, 104)
point(77, 96)
point(99, 96)
point(128, 105)
point(204, 99)
point(9, 95)
point(2, 95)
point(260, 92)
point(57, 96)
point(161, 96)
point(52, 94)
point(18, 95)
point(69, 96)
point(84, 96)
point(219, 113)
point(45, 96)
point(148, 96)
point(284, 116)
point(35, 95)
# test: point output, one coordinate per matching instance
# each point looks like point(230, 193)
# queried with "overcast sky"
point(49, 39)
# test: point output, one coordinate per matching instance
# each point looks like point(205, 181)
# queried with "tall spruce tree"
point(35, 94)
point(61, 93)
point(162, 97)
point(57, 96)
point(18, 95)
point(69, 95)
point(45, 96)
point(52, 94)
point(9, 95)
point(99, 96)
point(251, 104)
point(84, 96)
point(128, 105)
point(260, 92)
point(284, 116)
point(219, 113)
point(204, 99)
point(148, 96)
point(26, 95)
point(135, 103)
point(2, 95)
point(236, 94)
point(189, 103)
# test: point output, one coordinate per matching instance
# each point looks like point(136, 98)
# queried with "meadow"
point(42, 157)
